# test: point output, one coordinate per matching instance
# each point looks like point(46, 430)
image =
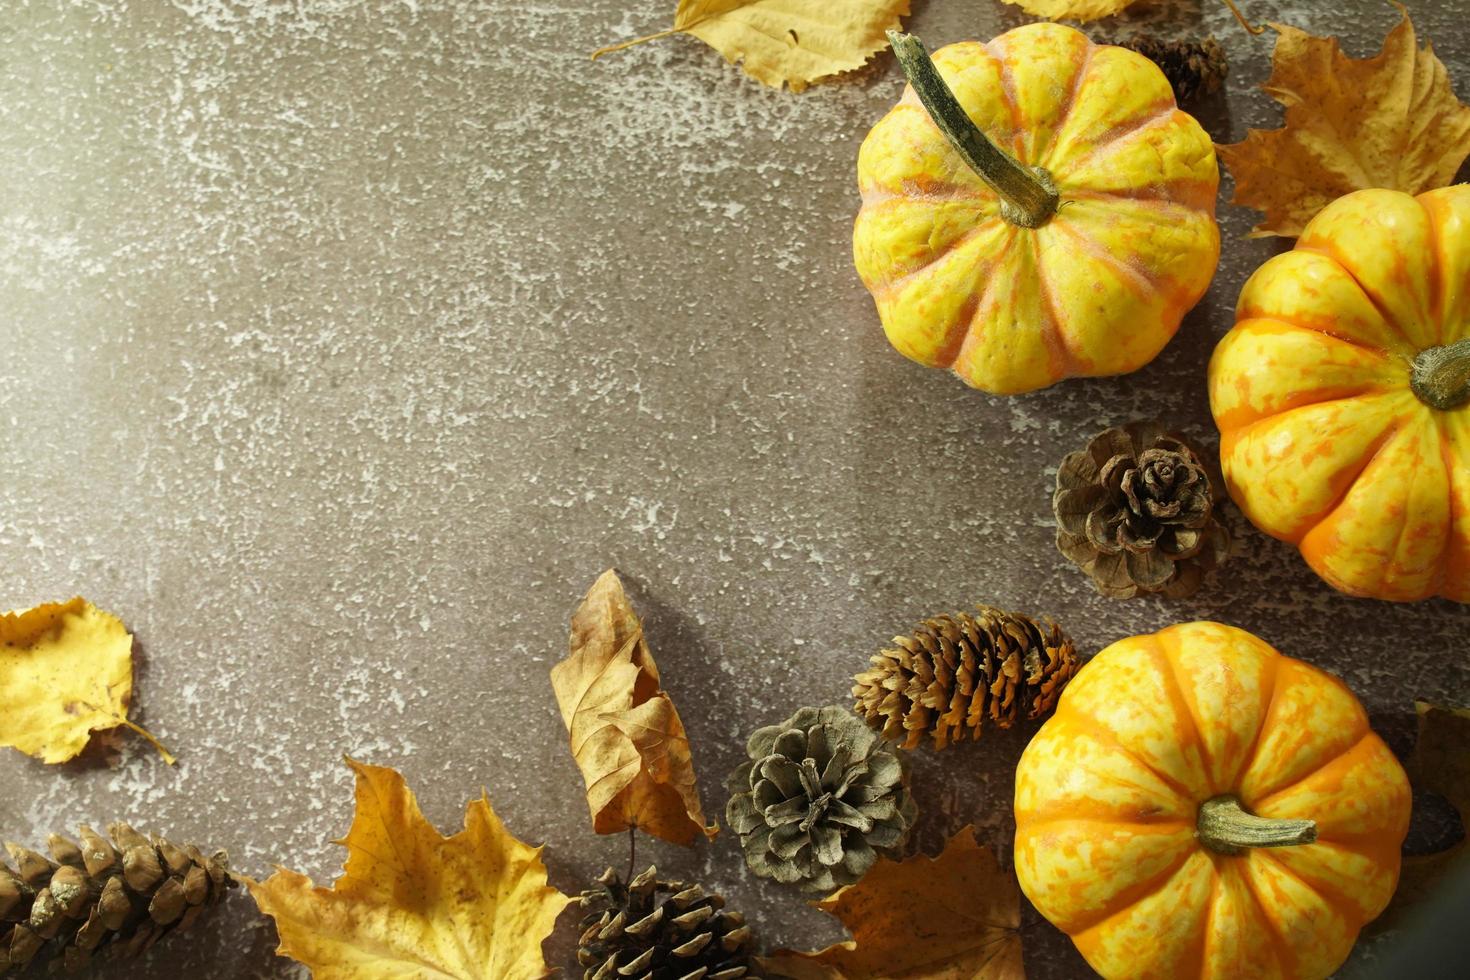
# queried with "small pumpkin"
point(1200, 806)
point(1343, 395)
point(1034, 208)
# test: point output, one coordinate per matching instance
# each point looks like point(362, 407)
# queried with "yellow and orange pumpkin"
point(1200, 806)
point(1037, 209)
point(1343, 395)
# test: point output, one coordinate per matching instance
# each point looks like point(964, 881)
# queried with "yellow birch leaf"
point(413, 903)
point(794, 42)
point(625, 732)
point(1072, 9)
point(66, 670)
point(966, 908)
point(1390, 121)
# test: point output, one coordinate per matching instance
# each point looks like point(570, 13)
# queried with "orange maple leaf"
point(1390, 121)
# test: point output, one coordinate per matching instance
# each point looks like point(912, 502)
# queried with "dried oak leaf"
point(1391, 121)
point(1072, 9)
point(1441, 764)
point(794, 42)
point(625, 732)
point(413, 903)
point(66, 670)
point(954, 917)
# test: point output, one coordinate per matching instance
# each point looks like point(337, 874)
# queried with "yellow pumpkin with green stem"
point(1343, 395)
point(1200, 807)
point(1035, 208)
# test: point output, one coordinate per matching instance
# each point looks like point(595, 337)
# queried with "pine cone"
point(661, 930)
point(98, 900)
point(957, 670)
point(819, 798)
point(1136, 511)
point(1193, 68)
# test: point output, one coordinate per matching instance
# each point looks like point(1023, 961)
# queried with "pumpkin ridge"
point(1164, 116)
point(1264, 801)
point(1208, 920)
point(1066, 361)
point(1248, 758)
point(1126, 898)
point(1280, 943)
point(1391, 321)
point(891, 286)
point(1296, 322)
point(1349, 908)
point(1174, 687)
point(1310, 522)
point(951, 353)
point(1133, 274)
point(1064, 111)
point(1096, 729)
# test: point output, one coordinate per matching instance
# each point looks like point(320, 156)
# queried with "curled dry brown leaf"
point(792, 42)
point(625, 732)
point(965, 907)
point(1391, 121)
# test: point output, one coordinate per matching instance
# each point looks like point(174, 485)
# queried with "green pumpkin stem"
point(1028, 195)
point(1441, 375)
point(1224, 826)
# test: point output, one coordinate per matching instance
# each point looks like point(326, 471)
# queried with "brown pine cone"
point(1136, 511)
point(1193, 68)
point(649, 929)
point(104, 899)
point(956, 671)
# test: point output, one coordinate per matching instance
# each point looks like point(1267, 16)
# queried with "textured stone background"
point(345, 343)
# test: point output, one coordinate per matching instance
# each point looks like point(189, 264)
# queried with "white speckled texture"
point(345, 343)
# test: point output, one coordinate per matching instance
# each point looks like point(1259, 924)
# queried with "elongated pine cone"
point(1193, 68)
point(101, 900)
point(649, 929)
point(956, 672)
point(820, 798)
point(1136, 511)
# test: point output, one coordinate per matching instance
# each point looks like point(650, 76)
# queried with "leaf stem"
point(1028, 196)
point(168, 756)
point(632, 850)
point(1256, 29)
point(610, 48)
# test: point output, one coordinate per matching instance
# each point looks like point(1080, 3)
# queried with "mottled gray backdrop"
point(345, 343)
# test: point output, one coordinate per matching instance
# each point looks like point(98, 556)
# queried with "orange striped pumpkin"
point(1201, 807)
point(1012, 299)
point(1343, 395)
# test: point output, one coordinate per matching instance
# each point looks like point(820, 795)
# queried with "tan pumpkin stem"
point(1028, 196)
point(1224, 826)
point(1441, 375)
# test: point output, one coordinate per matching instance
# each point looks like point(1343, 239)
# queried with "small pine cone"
point(1193, 68)
point(1136, 510)
point(661, 930)
point(819, 799)
point(956, 671)
point(110, 900)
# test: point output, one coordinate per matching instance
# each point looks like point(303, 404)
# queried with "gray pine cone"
point(821, 796)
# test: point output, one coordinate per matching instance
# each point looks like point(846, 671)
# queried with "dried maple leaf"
point(413, 903)
point(66, 670)
point(1441, 764)
point(1392, 121)
point(1072, 9)
point(626, 734)
point(794, 42)
point(966, 908)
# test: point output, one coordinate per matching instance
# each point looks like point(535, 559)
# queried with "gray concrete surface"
point(345, 343)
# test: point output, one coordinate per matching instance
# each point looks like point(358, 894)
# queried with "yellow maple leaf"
point(625, 732)
point(795, 42)
point(66, 670)
point(1072, 9)
point(1390, 121)
point(413, 903)
point(966, 908)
